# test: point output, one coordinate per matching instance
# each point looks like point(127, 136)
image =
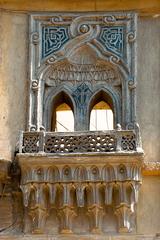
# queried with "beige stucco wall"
point(13, 79)
point(13, 101)
point(148, 86)
point(144, 7)
point(148, 208)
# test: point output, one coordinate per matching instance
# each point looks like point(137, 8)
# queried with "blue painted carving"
point(112, 39)
point(53, 38)
point(81, 95)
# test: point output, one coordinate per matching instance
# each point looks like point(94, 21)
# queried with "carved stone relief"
point(84, 175)
point(70, 187)
point(67, 50)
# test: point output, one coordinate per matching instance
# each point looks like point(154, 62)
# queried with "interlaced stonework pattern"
point(33, 142)
point(81, 182)
point(53, 39)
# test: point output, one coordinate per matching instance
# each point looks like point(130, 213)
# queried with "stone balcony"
point(91, 171)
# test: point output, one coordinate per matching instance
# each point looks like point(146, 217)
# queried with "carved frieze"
point(90, 186)
point(66, 71)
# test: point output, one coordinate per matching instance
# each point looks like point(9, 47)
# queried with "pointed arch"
point(110, 98)
point(54, 99)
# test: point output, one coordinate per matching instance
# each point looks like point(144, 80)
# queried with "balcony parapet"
point(80, 142)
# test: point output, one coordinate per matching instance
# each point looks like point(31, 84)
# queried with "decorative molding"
point(151, 168)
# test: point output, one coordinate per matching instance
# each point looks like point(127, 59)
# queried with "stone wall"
point(13, 80)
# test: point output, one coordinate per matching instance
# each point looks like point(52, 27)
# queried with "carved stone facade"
point(88, 183)
point(84, 57)
point(81, 176)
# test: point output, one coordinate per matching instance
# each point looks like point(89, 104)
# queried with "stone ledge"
point(151, 168)
point(81, 237)
point(144, 7)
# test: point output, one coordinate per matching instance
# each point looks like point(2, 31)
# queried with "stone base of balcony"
point(81, 158)
point(87, 181)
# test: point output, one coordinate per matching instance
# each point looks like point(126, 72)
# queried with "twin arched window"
point(100, 113)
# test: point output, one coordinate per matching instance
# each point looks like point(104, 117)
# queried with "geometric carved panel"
point(53, 38)
point(113, 39)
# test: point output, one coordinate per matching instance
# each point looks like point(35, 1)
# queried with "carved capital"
point(95, 213)
point(38, 215)
point(123, 213)
point(66, 215)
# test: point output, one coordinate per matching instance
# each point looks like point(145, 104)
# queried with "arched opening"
point(62, 114)
point(101, 112)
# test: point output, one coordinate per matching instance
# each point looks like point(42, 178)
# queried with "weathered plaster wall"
point(148, 209)
point(148, 86)
point(144, 7)
point(13, 79)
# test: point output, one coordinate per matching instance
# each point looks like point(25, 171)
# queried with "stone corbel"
point(38, 215)
point(66, 212)
point(135, 191)
point(52, 187)
point(66, 215)
point(26, 190)
point(125, 209)
point(95, 210)
point(80, 189)
point(37, 209)
point(109, 193)
point(95, 213)
point(122, 186)
point(124, 213)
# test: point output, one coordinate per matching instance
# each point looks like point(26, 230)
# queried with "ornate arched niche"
point(77, 50)
point(81, 59)
point(83, 73)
